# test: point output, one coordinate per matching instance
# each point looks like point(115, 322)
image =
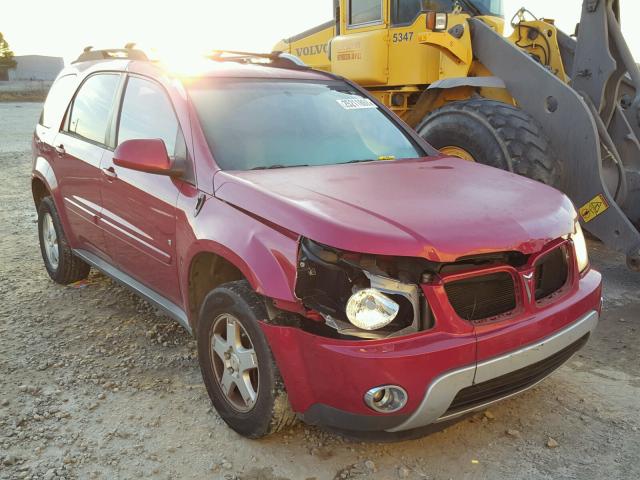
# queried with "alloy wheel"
point(50, 241)
point(235, 363)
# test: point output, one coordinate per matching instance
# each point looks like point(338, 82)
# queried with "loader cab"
point(383, 43)
point(404, 12)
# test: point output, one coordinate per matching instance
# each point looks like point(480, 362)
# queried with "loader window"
point(365, 11)
point(404, 12)
point(489, 7)
point(257, 124)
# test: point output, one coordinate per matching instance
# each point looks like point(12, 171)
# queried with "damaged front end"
point(360, 295)
point(354, 295)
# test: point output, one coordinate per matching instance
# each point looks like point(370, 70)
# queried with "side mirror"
point(145, 155)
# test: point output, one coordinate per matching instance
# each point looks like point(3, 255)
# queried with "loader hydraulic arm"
point(592, 121)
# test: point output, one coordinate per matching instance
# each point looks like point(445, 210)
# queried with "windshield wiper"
point(360, 161)
point(272, 167)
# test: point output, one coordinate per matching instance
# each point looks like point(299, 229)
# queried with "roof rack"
point(128, 52)
point(273, 59)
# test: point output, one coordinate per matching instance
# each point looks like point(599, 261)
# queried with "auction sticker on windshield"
point(356, 103)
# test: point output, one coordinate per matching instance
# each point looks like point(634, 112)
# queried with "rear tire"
point(495, 134)
point(235, 307)
point(62, 265)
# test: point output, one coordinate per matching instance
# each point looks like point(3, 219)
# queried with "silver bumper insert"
point(443, 390)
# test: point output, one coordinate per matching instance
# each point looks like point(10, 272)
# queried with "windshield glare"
point(485, 7)
point(489, 7)
point(254, 124)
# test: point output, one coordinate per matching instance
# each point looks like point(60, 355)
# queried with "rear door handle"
point(60, 149)
point(110, 173)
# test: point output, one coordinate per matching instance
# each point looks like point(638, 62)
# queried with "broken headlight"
point(580, 246)
point(359, 295)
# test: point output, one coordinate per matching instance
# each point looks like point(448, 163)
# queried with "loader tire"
point(496, 134)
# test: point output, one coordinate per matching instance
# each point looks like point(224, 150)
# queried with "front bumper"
point(447, 371)
point(435, 405)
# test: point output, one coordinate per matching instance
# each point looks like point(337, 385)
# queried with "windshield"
point(254, 124)
point(482, 7)
point(489, 7)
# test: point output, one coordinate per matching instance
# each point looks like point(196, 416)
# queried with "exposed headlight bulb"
point(370, 309)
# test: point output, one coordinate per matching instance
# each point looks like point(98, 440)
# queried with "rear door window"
point(57, 101)
point(92, 107)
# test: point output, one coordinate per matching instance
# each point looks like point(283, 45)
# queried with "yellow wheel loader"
point(561, 109)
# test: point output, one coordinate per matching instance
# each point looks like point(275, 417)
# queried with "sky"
point(65, 27)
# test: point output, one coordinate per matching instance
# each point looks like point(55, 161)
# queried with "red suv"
point(331, 264)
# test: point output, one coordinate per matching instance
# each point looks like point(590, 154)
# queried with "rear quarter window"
point(57, 101)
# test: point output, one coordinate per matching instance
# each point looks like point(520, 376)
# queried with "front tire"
point(62, 265)
point(493, 133)
point(237, 365)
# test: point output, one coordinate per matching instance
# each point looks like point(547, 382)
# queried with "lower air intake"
point(482, 297)
point(491, 390)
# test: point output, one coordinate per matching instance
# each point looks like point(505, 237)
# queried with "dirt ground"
point(22, 96)
point(96, 384)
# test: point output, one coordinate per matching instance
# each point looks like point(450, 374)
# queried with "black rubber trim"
point(513, 382)
point(323, 415)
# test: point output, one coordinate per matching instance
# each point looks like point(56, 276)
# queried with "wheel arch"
point(43, 181)
point(39, 190)
point(208, 270)
point(479, 84)
point(211, 264)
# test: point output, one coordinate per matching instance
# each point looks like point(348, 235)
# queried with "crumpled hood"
point(439, 209)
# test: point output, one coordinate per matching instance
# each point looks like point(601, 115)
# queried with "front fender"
point(265, 254)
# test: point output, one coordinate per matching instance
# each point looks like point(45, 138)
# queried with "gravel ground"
point(97, 384)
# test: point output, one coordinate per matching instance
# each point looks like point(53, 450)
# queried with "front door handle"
point(60, 149)
point(110, 173)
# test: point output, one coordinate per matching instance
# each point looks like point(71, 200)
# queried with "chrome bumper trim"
point(443, 390)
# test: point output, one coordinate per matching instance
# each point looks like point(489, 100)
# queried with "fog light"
point(386, 399)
